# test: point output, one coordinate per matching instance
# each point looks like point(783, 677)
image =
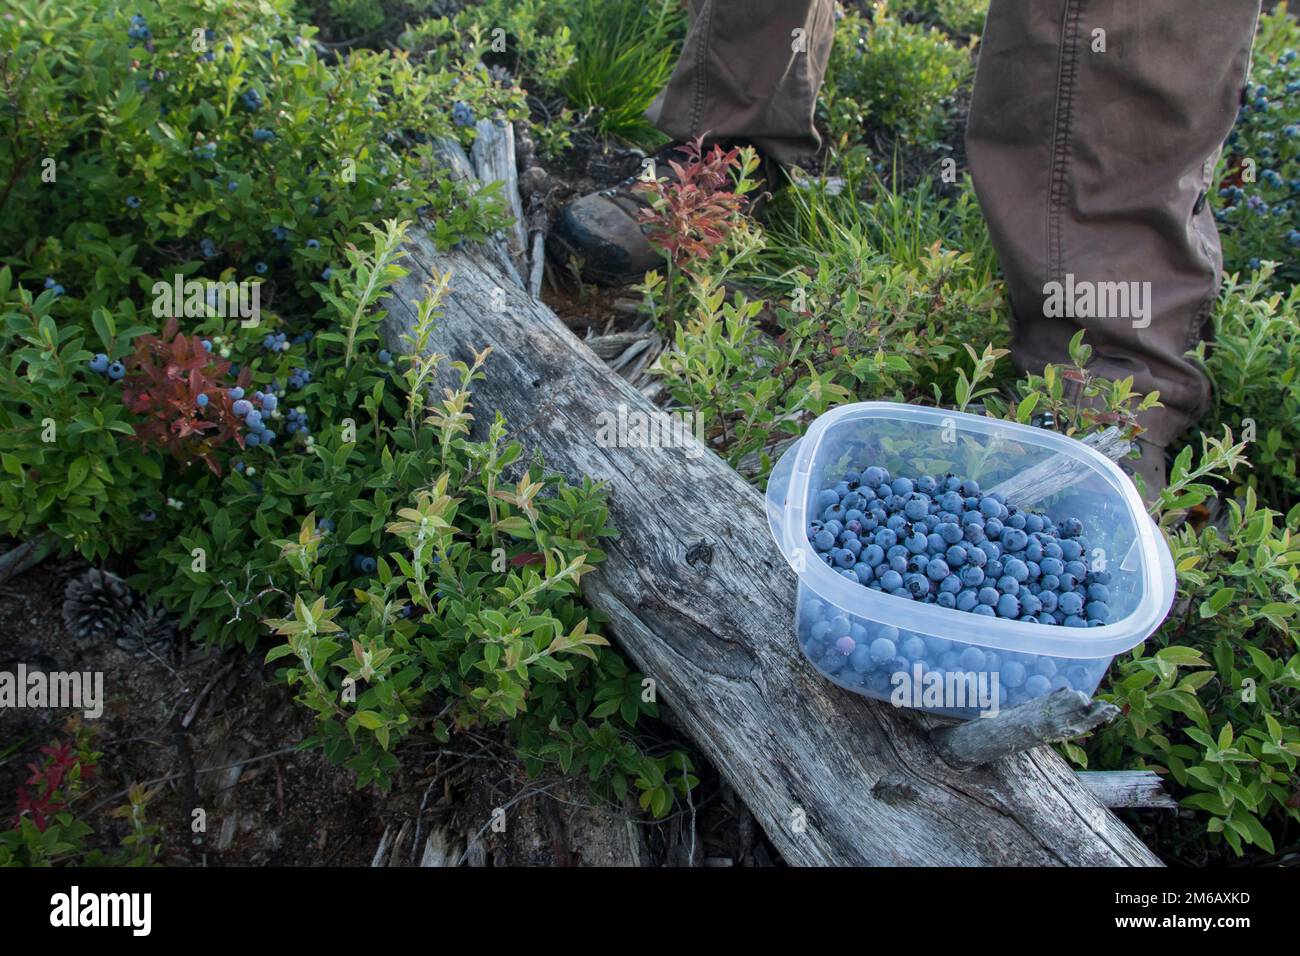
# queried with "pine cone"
point(97, 604)
point(148, 632)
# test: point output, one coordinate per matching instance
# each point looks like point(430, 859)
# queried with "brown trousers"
point(1093, 134)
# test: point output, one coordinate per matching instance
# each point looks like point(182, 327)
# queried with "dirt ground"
point(210, 731)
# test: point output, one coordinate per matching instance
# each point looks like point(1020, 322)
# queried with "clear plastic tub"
point(980, 664)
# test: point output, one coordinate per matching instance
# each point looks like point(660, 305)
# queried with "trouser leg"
point(1094, 130)
point(750, 69)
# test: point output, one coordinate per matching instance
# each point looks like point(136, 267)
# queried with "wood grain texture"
point(701, 600)
point(1127, 788)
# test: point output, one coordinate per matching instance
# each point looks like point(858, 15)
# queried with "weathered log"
point(1058, 716)
point(1127, 788)
point(700, 598)
point(493, 154)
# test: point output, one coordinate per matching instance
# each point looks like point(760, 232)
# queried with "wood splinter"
point(1058, 716)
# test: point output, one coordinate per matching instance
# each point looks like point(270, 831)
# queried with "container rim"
point(1105, 641)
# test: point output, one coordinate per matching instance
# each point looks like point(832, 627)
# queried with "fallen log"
point(700, 598)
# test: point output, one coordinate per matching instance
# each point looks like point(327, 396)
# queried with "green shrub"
point(1259, 174)
point(958, 17)
point(1211, 700)
point(1255, 365)
point(232, 154)
point(896, 77)
point(607, 58)
point(237, 155)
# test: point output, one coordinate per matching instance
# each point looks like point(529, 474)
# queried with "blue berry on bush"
point(98, 364)
point(116, 371)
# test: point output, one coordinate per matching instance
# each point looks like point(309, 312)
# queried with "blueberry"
point(242, 406)
point(913, 648)
point(976, 557)
point(823, 540)
point(946, 599)
point(970, 487)
point(1014, 540)
point(971, 576)
point(99, 363)
point(891, 580)
point(917, 507)
point(1008, 585)
point(1098, 611)
point(988, 595)
point(269, 403)
point(843, 558)
point(901, 487)
point(1017, 569)
point(874, 477)
point(253, 419)
point(882, 650)
point(1008, 606)
point(1013, 674)
point(1098, 592)
point(368, 565)
point(972, 659)
point(937, 569)
point(1053, 567)
point(201, 401)
point(917, 585)
point(967, 600)
point(845, 645)
point(1037, 686)
point(860, 659)
point(872, 555)
point(116, 370)
point(1029, 603)
point(985, 610)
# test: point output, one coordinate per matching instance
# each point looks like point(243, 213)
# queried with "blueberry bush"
point(1259, 174)
point(185, 161)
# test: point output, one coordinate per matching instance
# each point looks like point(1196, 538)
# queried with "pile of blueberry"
point(868, 657)
point(943, 541)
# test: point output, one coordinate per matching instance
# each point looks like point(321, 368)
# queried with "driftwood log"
point(700, 598)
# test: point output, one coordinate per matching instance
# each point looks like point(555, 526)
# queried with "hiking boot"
point(602, 231)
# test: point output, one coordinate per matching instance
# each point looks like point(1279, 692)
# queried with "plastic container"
point(981, 663)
